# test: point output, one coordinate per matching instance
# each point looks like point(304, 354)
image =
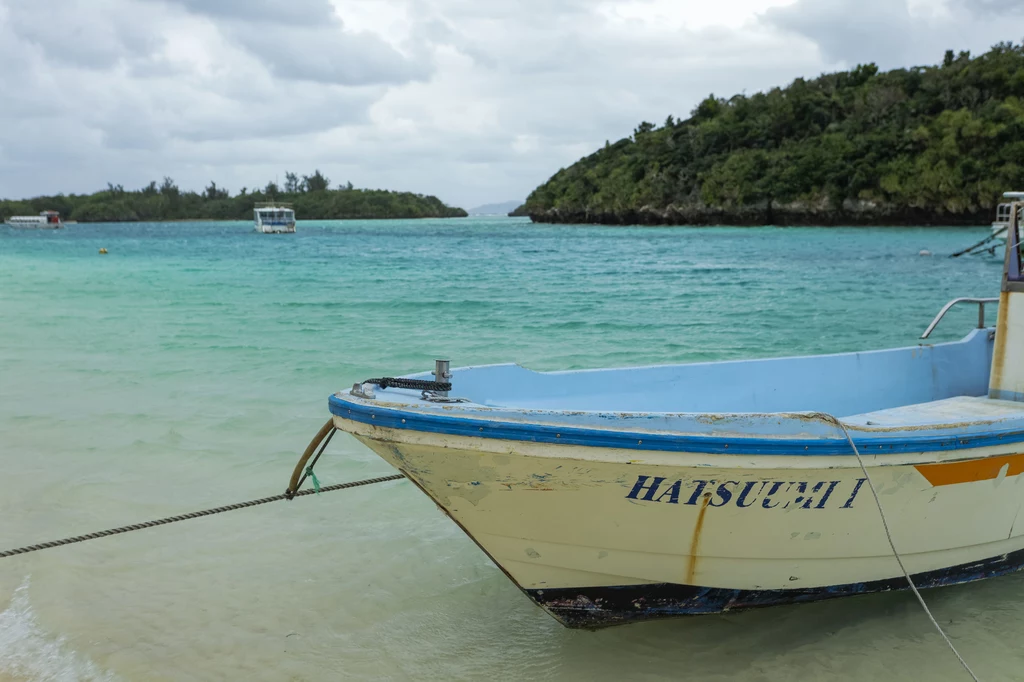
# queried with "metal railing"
point(1003, 214)
point(945, 309)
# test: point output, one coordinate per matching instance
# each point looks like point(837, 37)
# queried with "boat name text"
point(768, 494)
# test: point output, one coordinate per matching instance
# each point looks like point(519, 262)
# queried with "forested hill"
point(925, 145)
point(310, 195)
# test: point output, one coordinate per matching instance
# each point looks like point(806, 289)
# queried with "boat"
point(1002, 220)
point(614, 496)
point(274, 218)
point(998, 229)
point(48, 220)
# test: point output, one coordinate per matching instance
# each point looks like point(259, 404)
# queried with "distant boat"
point(1002, 220)
point(274, 218)
point(619, 495)
point(46, 220)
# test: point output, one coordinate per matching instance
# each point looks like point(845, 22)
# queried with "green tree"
point(315, 182)
point(937, 142)
point(214, 192)
point(168, 188)
point(168, 202)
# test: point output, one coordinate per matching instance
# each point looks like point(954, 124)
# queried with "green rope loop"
point(316, 481)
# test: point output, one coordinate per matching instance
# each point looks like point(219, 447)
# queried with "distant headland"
point(311, 196)
point(933, 145)
point(500, 208)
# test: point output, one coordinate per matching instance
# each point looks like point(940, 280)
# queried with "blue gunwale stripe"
point(640, 440)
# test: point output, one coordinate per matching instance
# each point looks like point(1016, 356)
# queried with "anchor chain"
point(414, 384)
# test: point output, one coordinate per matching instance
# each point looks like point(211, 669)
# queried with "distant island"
point(502, 208)
point(310, 195)
point(933, 145)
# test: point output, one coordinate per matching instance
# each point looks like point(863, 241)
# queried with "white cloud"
point(291, 12)
point(328, 54)
point(991, 7)
point(307, 40)
point(693, 16)
point(894, 33)
point(850, 31)
point(94, 34)
point(473, 101)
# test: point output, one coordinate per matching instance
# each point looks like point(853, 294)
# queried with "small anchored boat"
point(274, 218)
point(618, 495)
point(46, 220)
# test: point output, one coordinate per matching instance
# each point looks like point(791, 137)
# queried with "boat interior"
point(842, 384)
point(918, 388)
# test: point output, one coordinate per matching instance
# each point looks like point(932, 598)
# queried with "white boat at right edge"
point(1002, 220)
point(618, 495)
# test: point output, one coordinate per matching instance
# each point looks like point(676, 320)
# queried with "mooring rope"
point(196, 515)
point(971, 248)
point(895, 553)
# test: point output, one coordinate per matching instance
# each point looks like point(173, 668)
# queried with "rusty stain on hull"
point(691, 568)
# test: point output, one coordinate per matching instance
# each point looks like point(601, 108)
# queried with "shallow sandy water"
point(188, 367)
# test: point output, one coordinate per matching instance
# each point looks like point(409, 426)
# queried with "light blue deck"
point(842, 384)
point(911, 399)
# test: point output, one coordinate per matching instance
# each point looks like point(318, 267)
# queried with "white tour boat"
point(618, 495)
point(1002, 220)
point(274, 218)
point(46, 220)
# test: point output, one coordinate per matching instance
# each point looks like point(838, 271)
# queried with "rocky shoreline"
point(795, 214)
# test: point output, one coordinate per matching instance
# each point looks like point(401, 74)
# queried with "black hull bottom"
point(598, 607)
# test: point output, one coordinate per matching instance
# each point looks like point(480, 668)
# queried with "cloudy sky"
point(472, 100)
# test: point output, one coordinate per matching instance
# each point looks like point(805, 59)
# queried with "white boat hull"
point(594, 535)
point(276, 229)
point(35, 226)
point(999, 231)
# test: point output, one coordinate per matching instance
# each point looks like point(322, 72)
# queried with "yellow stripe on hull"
point(971, 470)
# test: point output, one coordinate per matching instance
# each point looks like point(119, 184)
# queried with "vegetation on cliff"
point(935, 144)
point(311, 196)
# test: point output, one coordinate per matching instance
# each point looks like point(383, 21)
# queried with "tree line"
point(935, 143)
point(311, 195)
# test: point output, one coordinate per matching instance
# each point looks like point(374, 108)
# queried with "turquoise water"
point(191, 364)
